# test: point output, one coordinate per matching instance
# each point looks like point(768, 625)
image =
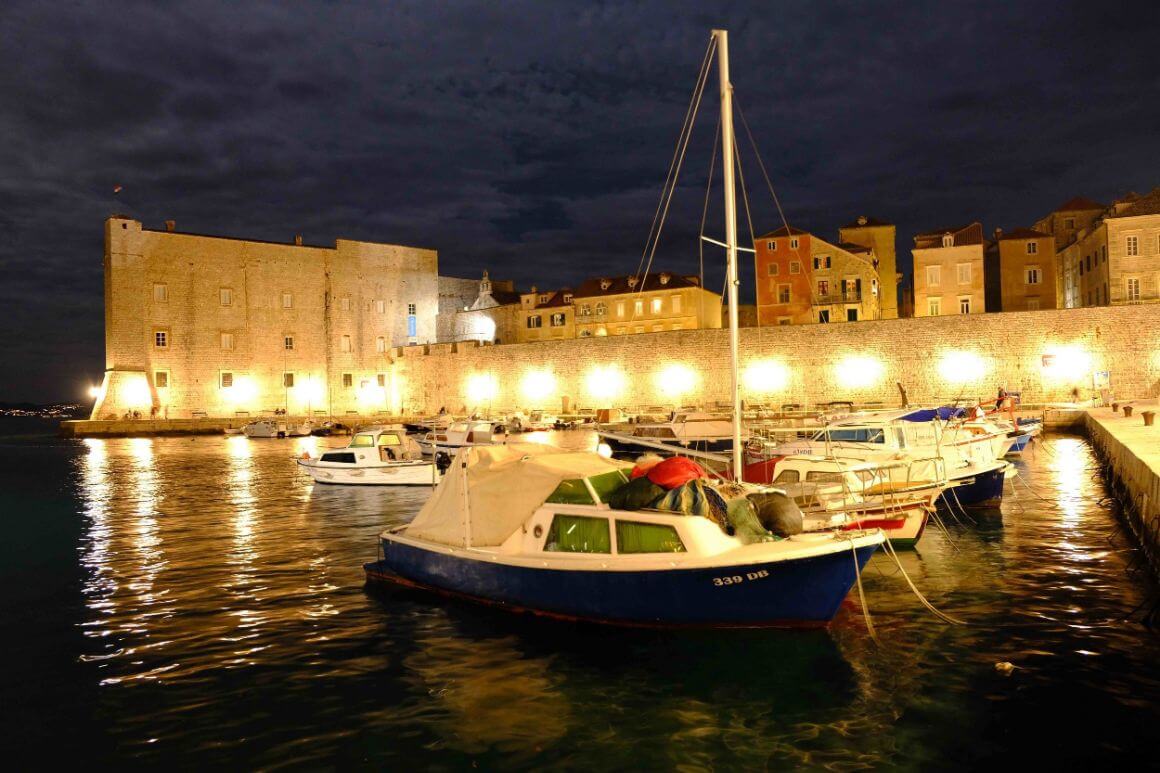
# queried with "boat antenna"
point(727, 145)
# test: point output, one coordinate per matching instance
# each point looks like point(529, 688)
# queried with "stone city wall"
point(1048, 356)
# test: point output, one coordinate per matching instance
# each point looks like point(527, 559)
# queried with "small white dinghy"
point(379, 456)
point(463, 434)
point(263, 428)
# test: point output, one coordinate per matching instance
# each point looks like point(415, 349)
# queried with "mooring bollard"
point(1127, 411)
point(1149, 417)
point(1115, 407)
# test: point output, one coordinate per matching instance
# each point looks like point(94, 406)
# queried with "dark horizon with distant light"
point(532, 139)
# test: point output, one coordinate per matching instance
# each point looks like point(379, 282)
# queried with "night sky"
point(532, 138)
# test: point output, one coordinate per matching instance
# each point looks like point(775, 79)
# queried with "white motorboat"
point(462, 434)
point(276, 428)
point(532, 421)
point(692, 431)
point(379, 456)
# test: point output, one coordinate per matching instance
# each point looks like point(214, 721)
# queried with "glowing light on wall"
point(96, 392)
point(481, 388)
point(484, 328)
point(962, 367)
point(605, 382)
point(371, 394)
point(676, 380)
point(243, 393)
point(859, 371)
point(135, 393)
point(765, 376)
point(538, 385)
point(1067, 364)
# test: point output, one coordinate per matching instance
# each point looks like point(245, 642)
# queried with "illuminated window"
point(965, 305)
point(601, 309)
point(948, 240)
point(161, 339)
point(381, 306)
point(1033, 275)
point(585, 310)
point(161, 293)
point(638, 308)
point(676, 304)
point(964, 273)
point(287, 300)
point(287, 380)
point(225, 379)
point(380, 344)
point(226, 296)
point(934, 307)
point(783, 294)
point(1032, 248)
point(1133, 290)
point(288, 343)
point(821, 262)
point(657, 305)
point(347, 380)
point(620, 310)
point(823, 287)
point(1133, 246)
point(161, 379)
point(535, 321)
point(557, 320)
point(344, 344)
point(933, 276)
point(227, 341)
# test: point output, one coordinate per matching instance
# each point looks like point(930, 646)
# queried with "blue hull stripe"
point(986, 490)
point(784, 593)
point(705, 446)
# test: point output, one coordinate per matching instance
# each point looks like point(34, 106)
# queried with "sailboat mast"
point(730, 238)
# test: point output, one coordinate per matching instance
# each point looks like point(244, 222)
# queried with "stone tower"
point(879, 236)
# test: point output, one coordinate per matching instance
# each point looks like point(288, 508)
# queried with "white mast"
point(730, 237)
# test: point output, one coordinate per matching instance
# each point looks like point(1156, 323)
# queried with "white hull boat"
point(381, 456)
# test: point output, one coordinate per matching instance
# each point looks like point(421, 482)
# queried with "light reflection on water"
point(226, 620)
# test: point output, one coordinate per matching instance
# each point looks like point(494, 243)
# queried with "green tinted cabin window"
point(578, 534)
point(607, 483)
point(571, 492)
point(636, 537)
point(362, 441)
point(388, 440)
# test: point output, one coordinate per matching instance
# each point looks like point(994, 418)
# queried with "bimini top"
point(489, 491)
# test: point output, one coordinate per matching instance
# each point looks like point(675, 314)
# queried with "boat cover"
point(929, 414)
point(490, 491)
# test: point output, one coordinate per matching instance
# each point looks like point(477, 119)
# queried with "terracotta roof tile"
point(1023, 233)
point(1079, 204)
point(618, 285)
point(1144, 205)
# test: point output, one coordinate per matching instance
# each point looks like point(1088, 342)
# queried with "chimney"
point(297, 240)
point(170, 225)
point(998, 234)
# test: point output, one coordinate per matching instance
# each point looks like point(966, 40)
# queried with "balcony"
point(834, 299)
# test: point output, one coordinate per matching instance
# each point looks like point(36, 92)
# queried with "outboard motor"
point(442, 461)
point(778, 513)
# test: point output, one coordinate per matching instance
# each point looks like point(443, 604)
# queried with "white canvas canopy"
point(489, 491)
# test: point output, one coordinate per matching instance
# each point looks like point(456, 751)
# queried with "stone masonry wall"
point(1048, 355)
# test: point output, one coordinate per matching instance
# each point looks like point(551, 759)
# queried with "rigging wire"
point(705, 214)
point(674, 172)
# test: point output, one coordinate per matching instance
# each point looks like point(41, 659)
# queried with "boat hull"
point(1022, 440)
point(806, 591)
point(984, 489)
point(619, 445)
point(377, 475)
point(902, 529)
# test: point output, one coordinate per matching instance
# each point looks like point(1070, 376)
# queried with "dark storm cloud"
point(532, 138)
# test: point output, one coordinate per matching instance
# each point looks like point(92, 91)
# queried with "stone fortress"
point(206, 327)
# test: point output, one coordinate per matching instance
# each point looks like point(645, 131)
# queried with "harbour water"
point(196, 600)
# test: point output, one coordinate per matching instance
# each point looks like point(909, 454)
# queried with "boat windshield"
point(362, 440)
point(389, 439)
point(574, 492)
point(852, 435)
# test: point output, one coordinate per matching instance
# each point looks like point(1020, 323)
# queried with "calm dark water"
point(196, 602)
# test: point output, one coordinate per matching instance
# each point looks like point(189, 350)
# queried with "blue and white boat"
point(527, 527)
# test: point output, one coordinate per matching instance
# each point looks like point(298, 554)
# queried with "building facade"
point(803, 279)
point(208, 326)
point(546, 316)
point(1115, 258)
point(880, 237)
point(493, 317)
point(948, 271)
point(1026, 271)
point(624, 305)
